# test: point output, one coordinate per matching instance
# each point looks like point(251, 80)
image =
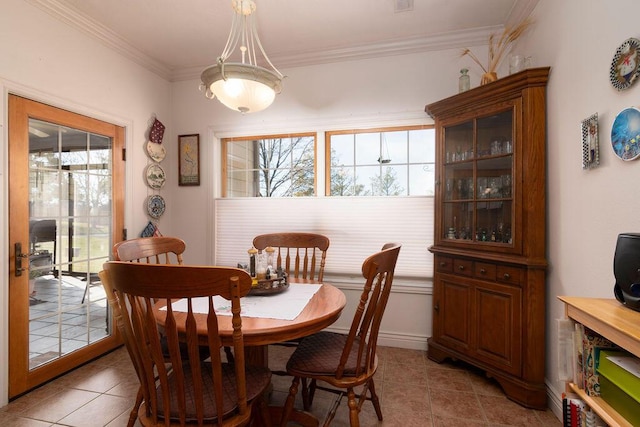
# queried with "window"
point(272, 166)
point(377, 163)
point(381, 162)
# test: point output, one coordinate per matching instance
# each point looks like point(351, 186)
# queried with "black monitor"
point(626, 268)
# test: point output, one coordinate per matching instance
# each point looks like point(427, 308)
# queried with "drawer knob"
point(461, 267)
point(436, 307)
point(483, 271)
point(507, 276)
point(442, 263)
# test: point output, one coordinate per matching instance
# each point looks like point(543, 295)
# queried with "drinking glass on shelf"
point(449, 188)
point(507, 146)
point(482, 188)
point(496, 147)
point(461, 189)
point(506, 185)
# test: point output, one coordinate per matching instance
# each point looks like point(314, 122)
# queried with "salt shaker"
point(270, 269)
point(252, 261)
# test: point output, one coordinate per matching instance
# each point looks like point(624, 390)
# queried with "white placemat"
point(285, 306)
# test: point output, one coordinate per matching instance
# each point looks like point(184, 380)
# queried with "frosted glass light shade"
point(241, 87)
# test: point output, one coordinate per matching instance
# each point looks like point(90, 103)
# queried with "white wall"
point(43, 59)
point(587, 209)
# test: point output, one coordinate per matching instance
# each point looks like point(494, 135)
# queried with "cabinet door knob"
point(507, 276)
point(436, 307)
point(461, 267)
point(483, 271)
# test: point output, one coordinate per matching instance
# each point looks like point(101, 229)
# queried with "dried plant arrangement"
point(499, 47)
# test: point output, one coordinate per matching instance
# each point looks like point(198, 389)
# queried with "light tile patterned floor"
point(414, 391)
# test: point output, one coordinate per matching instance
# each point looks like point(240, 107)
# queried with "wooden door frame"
point(20, 110)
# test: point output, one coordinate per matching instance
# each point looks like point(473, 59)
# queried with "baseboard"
point(386, 339)
point(554, 401)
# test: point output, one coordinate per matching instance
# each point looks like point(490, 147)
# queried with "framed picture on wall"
point(189, 159)
point(590, 150)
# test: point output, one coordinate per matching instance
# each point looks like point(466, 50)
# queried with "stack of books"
point(588, 347)
point(575, 413)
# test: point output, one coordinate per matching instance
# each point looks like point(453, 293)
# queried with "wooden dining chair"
point(184, 389)
point(150, 250)
point(300, 255)
point(346, 361)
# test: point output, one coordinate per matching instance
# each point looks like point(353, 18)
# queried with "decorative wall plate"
point(155, 206)
point(625, 134)
point(156, 151)
point(155, 176)
point(625, 65)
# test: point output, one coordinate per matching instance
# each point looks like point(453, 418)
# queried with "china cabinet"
point(490, 230)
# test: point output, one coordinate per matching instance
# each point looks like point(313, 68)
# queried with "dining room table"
point(304, 308)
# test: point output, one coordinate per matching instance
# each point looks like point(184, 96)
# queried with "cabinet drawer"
point(463, 267)
point(512, 275)
point(485, 271)
point(444, 264)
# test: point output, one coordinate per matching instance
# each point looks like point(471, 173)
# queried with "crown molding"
point(451, 40)
point(457, 39)
point(106, 36)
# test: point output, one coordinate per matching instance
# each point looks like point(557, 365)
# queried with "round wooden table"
point(323, 309)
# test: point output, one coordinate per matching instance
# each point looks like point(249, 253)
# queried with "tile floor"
point(413, 390)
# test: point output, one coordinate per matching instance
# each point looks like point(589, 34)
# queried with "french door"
point(66, 191)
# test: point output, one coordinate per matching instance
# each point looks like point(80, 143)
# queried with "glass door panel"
point(495, 134)
point(70, 236)
point(478, 180)
point(458, 143)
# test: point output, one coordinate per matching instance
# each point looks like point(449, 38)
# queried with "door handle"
point(19, 257)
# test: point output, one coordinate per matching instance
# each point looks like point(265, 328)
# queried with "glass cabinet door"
point(478, 180)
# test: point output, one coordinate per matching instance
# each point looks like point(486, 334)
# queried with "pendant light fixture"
point(242, 85)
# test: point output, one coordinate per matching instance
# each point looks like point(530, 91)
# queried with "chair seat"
point(257, 379)
point(319, 355)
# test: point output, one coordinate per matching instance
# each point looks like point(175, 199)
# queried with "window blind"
point(356, 226)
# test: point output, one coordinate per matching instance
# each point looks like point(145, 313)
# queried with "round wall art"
point(625, 134)
point(155, 206)
point(155, 176)
point(156, 151)
point(625, 65)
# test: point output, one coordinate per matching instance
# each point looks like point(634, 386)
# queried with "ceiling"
point(178, 38)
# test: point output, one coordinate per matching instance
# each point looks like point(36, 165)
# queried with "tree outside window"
point(378, 162)
point(274, 166)
point(382, 162)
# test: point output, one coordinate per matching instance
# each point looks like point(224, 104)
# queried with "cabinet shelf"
point(600, 407)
